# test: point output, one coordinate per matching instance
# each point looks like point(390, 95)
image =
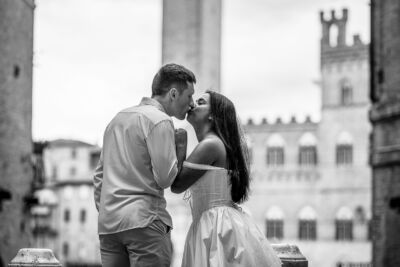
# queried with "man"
point(138, 161)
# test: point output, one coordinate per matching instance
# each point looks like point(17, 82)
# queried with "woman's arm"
point(207, 152)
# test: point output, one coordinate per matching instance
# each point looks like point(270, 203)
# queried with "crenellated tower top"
point(334, 48)
point(327, 24)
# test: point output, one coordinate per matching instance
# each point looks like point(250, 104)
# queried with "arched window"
point(344, 224)
point(307, 224)
point(275, 150)
point(308, 149)
point(333, 35)
point(346, 92)
point(344, 149)
point(274, 223)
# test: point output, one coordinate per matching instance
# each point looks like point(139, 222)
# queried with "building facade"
point(385, 140)
point(68, 196)
point(311, 181)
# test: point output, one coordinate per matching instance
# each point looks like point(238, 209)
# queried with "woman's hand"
point(181, 145)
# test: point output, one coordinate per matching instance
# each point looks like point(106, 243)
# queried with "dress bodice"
point(211, 190)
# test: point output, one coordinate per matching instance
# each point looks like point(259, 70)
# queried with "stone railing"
point(290, 256)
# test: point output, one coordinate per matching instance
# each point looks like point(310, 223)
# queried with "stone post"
point(34, 257)
point(290, 255)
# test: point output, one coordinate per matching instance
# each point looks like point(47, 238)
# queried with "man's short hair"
point(171, 74)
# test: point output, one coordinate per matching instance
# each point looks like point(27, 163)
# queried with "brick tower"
point(16, 51)
point(191, 36)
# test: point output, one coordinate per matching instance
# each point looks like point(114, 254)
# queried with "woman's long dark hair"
point(226, 125)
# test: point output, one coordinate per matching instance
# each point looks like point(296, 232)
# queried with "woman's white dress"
point(221, 234)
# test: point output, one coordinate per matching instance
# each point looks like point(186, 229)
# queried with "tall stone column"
point(16, 52)
point(191, 36)
point(385, 139)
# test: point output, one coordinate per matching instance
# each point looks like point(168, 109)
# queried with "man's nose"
point(192, 104)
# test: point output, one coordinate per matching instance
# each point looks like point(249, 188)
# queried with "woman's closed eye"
point(200, 101)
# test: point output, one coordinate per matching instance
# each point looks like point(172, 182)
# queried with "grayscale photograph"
point(200, 133)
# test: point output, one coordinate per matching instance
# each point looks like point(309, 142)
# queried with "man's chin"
point(180, 117)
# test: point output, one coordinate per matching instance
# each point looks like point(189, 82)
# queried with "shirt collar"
point(152, 102)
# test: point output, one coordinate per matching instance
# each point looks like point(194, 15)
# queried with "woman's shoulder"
point(214, 148)
point(214, 143)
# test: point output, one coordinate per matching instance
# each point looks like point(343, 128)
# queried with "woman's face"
point(201, 112)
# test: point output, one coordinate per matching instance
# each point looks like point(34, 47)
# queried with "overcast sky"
point(93, 58)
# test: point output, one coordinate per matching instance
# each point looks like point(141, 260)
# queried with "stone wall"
point(16, 51)
point(385, 141)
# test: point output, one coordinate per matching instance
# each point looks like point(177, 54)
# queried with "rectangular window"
point(307, 230)
point(94, 159)
point(275, 156)
point(65, 249)
point(274, 229)
point(67, 215)
point(54, 172)
point(73, 153)
point(308, 155)
point(370, 232)
point(344, 230)
point(82, 216)
point(346, 95)
point(344, 154)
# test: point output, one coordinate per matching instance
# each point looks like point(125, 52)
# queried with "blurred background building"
point(312, 181)
point(65, 219)
point(68, 192)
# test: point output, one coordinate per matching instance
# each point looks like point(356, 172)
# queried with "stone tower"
point(385, 141)
point(16, 51)
point(345, 103)
point(191, 36)
point(344, 127)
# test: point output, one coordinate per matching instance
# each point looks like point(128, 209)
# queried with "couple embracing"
point(143, 154)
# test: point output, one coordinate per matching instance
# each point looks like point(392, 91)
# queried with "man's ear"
point(173, 93)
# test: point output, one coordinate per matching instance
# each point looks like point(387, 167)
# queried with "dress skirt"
point(225, 236)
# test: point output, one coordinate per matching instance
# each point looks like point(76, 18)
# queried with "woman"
point(217, 176)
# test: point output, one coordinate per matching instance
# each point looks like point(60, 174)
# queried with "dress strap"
point(197, 166)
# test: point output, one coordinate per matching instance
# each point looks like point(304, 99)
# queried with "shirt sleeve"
point(161, 147)
point(98, 181)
